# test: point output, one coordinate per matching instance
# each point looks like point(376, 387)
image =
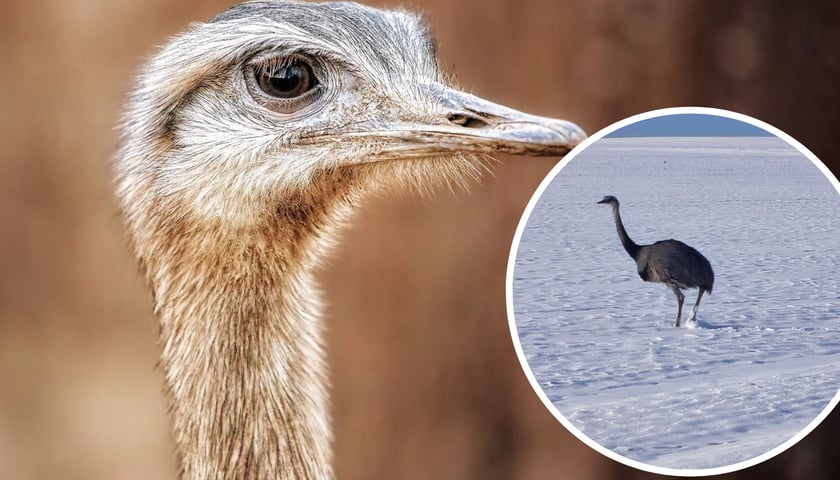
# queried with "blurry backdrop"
point(425, 380)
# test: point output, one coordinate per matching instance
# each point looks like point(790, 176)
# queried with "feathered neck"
point(240, 336)
point(629, 245)
point(239, 311)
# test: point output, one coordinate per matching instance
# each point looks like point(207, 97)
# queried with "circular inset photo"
point(673, 291)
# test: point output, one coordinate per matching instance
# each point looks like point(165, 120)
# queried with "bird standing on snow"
point(668, 261)
point(245, 145)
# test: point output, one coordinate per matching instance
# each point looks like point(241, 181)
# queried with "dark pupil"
point(286, 81)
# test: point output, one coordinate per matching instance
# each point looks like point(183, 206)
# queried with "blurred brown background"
point(426, 382)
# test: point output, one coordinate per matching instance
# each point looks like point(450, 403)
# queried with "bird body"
point(665, 261)
point(672, 262)
point(246, 144)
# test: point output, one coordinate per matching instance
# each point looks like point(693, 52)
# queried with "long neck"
point(240, 340)
point(243, 362)
point(629, 245)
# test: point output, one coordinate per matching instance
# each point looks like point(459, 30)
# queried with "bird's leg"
point(680, 298)
point(693, 313)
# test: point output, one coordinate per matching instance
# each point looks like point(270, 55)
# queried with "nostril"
point(467, 120)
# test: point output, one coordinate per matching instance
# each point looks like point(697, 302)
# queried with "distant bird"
point(246, 143)
point(668, 261)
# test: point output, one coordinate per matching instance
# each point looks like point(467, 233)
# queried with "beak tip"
point(574, 134)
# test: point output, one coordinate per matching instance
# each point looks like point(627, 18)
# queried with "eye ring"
point(283, 83)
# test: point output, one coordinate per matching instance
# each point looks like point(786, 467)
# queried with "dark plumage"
point(671, 262)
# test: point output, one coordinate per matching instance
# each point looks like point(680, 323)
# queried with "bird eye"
point(285, 80)
point(284, 84)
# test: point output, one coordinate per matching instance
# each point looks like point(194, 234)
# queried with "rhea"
point(247, 142)
point(671, 262)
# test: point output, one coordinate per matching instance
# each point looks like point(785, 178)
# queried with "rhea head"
point(274, 103)
point(609, 200)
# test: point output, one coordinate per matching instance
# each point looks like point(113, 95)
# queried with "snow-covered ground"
point(764, 359)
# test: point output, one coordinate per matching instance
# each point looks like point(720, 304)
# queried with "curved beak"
point(469, 124)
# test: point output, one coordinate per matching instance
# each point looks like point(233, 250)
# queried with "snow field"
point(764, 359)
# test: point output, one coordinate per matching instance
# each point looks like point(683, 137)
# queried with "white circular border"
point(509, 292)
